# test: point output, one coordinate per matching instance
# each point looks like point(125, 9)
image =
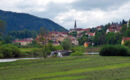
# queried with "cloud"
point(94, 17)
point(88, 13)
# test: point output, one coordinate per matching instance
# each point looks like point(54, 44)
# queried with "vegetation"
point(127, 43)
point(66, 44)
point(22, 34)
point(114, 50)
point(9, 51)
point(2, 26)
point(78, 51)
point(68, 68)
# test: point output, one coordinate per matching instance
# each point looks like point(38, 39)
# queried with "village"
point(73, 35)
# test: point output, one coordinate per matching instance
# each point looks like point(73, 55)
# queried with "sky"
point(87, 13)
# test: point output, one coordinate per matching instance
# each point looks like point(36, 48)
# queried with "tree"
point(127, 33)
point(113, 38)
point(127, 43)
point(99, 38)
point(66, 44)
point(73, 34)
point(2, 26)
point(124, 28)
point(83, 39)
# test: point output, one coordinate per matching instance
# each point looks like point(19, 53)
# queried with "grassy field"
point(25, 50)
point(68, 68)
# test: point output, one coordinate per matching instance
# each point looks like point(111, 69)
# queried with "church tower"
point(75, 25)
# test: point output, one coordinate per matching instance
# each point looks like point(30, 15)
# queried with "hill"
point(20, 21)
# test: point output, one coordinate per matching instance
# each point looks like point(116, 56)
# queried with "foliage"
point(73, 34)
point(83, 39)
point(113, 38)
point(9, 51)
point(127, 43)
point(127, 33)
point(37, 52)
point(100, 38)
point(2, 26)
point(78, 51)
point(66, 44)
point(114, 50)
point(22, 34)
point(124, 28)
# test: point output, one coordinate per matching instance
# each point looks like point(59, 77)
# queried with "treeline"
point(23, 34)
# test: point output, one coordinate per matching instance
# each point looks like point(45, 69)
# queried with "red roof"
point(126, 39)
point(91, 34)
point(24, 40)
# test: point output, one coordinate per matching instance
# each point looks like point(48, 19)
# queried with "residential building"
point(23, 42)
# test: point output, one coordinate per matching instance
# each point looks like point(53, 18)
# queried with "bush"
point(114, 50)
point(9, 51)
point(127, 43)
point(37, 52)
point(77, 53)
point(66, 44)
point(1, 55)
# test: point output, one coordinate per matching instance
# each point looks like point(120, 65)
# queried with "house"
point(124, 40)
point(23, 42)
point(114, 28)
point(86, 44)
point(54, 37)
point(99, 28)
point(90, 34)
point(74, 41)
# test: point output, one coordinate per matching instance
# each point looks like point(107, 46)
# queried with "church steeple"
point(75, 25)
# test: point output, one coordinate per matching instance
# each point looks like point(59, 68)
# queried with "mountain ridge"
point(20, 21)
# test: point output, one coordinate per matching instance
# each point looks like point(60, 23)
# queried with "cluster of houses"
point(57, 37)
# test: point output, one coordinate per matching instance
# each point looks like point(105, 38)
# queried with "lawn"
point(68, 68)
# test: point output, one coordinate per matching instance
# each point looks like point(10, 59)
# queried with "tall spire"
point(75, 25)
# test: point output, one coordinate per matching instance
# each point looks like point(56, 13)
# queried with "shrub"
point(10, 51)
point(58, 47)
point(1, 55)
point(114, 50)
point(127, 43)
point(66, 44)
point(37, 52)
point(77, 53)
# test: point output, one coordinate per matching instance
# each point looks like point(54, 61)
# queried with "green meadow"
point(88, 67)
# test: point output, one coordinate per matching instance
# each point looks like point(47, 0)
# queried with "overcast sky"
point(88, 13)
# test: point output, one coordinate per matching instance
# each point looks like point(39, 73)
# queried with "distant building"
point(114, 28)
point(99, 28)
point(86, 44)
point(55, 37)
point(74, 41)
point(90, 34)
point(23, 42)
point(124, 40)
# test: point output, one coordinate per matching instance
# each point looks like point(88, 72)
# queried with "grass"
point(24, 50)
point(68, 68)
